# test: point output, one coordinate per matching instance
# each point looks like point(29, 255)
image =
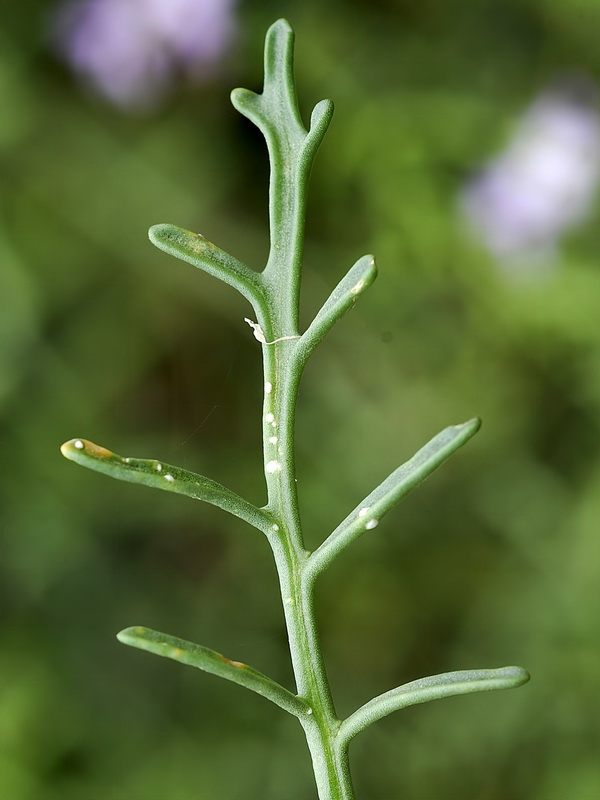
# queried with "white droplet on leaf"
point(273, 466)
point(372, 523)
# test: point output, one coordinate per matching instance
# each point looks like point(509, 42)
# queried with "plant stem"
point(321, 724)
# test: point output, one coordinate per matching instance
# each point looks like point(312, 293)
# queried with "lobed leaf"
point(195, 655)
point(159, 475)
point(277, 106)
point(434, 687)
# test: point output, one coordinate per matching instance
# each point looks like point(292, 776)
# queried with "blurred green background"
point(494, 561)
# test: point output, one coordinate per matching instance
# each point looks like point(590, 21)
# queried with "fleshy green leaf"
point(277, 106)
point(343, 297)
point(164, 476)
point(161, 644)
point(292, 150)
point(432, 688)
point(198, 251)
point(367, 514)
point(319, 123)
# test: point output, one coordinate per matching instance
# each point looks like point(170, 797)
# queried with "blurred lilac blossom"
point(132, 50)
point(545, 181)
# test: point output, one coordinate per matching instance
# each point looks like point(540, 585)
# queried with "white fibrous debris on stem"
point(544, 183)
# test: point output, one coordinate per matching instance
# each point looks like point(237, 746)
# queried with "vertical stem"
point(291, 152)
point(321, 724)
point(289, 179)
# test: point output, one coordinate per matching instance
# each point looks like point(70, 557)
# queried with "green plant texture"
point(274, 296)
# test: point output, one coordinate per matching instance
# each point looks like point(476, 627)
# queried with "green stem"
point(278, 425)
point(291, 153)
point(320, 723)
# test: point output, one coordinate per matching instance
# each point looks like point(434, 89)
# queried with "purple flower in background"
point(545, 181)
point(132, 50)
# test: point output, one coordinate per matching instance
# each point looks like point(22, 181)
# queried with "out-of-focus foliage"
point(495, 560)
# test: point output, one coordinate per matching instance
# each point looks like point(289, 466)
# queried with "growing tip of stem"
point(281, 27)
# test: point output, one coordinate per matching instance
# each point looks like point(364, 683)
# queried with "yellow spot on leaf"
point(98, 452)
point(231, 663)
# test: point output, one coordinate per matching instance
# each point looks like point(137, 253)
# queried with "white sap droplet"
point(268, 387)
point(273, 439)
point(273, 424)
point(275, 527)
point(159, 467)
point(310, 711)
point(269, 417)
point(78, 444)
point(289, 601)
point(169, 477)
point(127, 460)
point(372, 523)
point(363, 511)
point(358, 288)
point(273, 466)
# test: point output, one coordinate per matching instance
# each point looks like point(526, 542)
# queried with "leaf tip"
point(74, 449)
point(243, 100)
point(515, 676)
point(321, 116)
point(368, 273)
point(280, 27)
point(472, 425)
point(130, 635)
point(165, 234)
